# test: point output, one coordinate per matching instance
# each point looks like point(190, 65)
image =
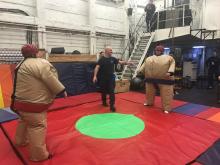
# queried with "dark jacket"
point(150, 9)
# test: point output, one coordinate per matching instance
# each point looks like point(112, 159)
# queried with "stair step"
point(141, 46)
point(136, 56)
point(138, 53)
point(143, 42)
point(127, 75)
point(145, 38)
point(129, 69)
point(135, 59)
point(119, 73)
point(139, 49)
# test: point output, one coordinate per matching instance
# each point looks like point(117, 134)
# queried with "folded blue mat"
point(191, 109)
point(7, 115)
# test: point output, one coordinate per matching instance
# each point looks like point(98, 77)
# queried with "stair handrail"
point(137, 27)
point(144, 54)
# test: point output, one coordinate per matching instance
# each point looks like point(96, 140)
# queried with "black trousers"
point(212, 74)
point(149, 20)
point(107, 86)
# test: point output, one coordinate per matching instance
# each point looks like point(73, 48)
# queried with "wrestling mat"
point(83, 132)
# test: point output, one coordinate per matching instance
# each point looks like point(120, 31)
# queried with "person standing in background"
point(213, 69)
point(150, 10)
point(42, 53)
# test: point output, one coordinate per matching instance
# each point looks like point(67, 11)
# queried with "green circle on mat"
point(110, 125)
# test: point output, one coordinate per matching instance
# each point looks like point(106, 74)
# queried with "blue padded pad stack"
point(211, 156)
point(7, 115)
point(76, 77)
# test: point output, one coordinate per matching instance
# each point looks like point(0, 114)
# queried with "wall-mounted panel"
point(68, 40)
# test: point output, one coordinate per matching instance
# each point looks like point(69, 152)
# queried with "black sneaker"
point(105, 104)
point(112, 109)
point(50, 156)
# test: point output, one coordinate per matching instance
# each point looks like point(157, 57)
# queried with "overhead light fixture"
point(198, 47)
point(166, 48)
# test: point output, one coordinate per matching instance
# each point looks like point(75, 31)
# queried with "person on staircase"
point(159, 73)
point(150, 10)
point(35, 86)
point(106, 68)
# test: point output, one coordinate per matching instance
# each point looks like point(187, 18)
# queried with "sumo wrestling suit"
point(155, 68)
point(36, 85)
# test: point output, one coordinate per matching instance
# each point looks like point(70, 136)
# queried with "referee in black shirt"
point(106, 70)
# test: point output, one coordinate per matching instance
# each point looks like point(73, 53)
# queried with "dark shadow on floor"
point(198, 96)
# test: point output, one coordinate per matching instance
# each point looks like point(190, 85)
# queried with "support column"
point(92, 23)
point(41, 23)
point(126, 28)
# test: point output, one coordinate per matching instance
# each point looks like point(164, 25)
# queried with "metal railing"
point(138, 32)
point(179, 16)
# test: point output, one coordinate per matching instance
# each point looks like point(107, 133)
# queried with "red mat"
point(167, 139)
point(7, 155)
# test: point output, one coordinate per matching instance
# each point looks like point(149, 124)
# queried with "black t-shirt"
point(107, 66)
point(150, 9)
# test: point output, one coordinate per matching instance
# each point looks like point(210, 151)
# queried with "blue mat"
point(211, 156)
point(191, 109)
point(7, 115)
point(76, 77)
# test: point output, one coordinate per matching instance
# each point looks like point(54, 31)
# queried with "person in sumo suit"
point(36, 84)
point(159, 73)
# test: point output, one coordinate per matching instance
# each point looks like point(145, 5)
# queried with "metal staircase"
point(138, 55)
point(141, 43)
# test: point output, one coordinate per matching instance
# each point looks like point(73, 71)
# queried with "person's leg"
point(212, 79)
point(103, 87)
point(36, 129)
point(150, 94)
point(21, 133)
point(150, 23)
point(147, 24)
point(111, 88)
point(166, 93)
point(216, 74)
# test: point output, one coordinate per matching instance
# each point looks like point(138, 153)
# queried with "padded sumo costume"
point(158, 70)
point(36, 85)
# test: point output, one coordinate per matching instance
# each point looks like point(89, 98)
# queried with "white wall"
point(164, 34)
point(110, 18)
point(26, 5)
point(67, 13)
point(69, 16)
point(211, 14)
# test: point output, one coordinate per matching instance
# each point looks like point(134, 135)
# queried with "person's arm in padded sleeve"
point(171, 69)
point(49, 77)
point(142, 69)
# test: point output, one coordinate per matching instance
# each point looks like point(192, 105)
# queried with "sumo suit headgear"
point(29, 50)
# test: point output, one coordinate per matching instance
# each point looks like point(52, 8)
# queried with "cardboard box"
point(122, 86)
